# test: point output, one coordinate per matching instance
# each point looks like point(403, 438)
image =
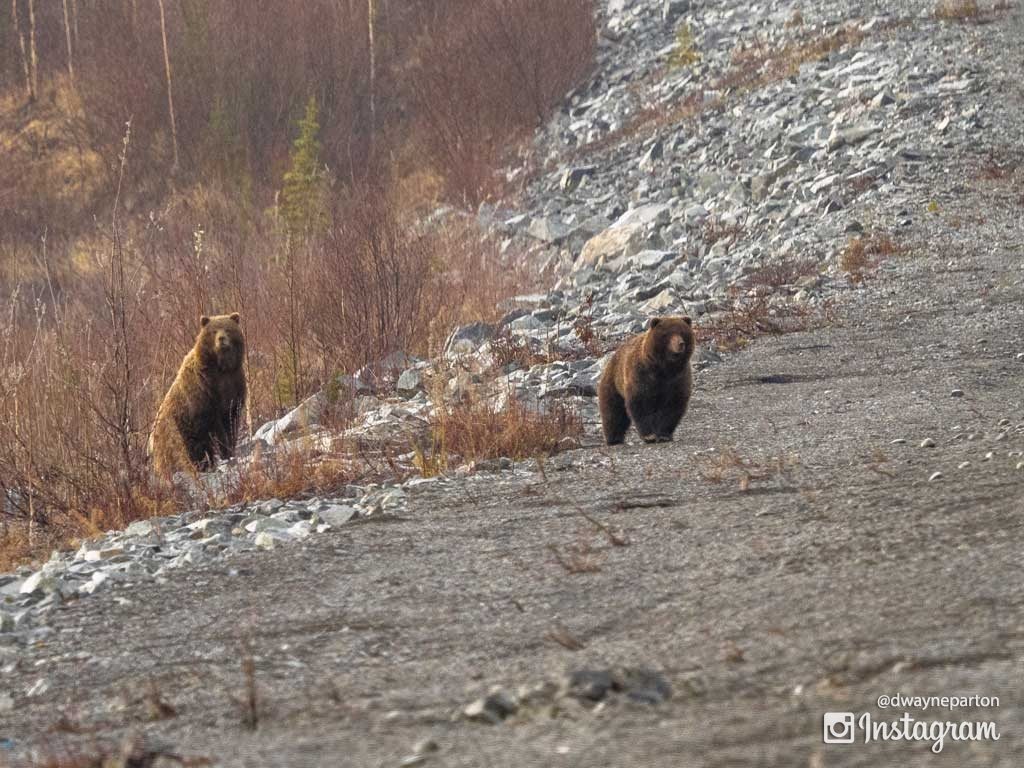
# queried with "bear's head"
point(221, 342)
point(669, 342)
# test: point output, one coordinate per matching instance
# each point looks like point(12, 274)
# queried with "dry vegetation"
point(750, 316)
point(759, 306)
point(957, 10)
point(969, 11)
point(862, 255)
point(476, 429)
point(306, 143)
point(728, 466)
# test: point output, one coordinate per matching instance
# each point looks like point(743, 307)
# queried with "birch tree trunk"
point(33, 59)
point(29, 90)
point(67, 36)
point(373, 71)
point(170, 96)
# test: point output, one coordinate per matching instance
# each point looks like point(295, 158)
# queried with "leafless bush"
point(779, 272)
point(863, 254)
point(489, 74)
point(478, 429)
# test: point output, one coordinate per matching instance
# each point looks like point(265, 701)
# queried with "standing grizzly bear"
point(197, 422)
point(648, 382)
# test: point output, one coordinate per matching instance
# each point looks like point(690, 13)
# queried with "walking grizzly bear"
point(648, 382)
point(197, 422)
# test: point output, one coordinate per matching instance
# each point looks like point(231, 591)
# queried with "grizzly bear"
point(197, 422)
point(648, 382)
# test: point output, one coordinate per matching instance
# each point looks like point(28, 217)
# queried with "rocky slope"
point(839, 516)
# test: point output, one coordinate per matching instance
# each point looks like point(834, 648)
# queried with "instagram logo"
point(838, 728)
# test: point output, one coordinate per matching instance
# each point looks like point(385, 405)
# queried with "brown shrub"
point(476, 429)
point(957, 10)
point(863, 254)
point(753, 314)
point(780, 272)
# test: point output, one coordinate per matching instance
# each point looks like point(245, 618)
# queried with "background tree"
point(170, 90)
point(302, 198)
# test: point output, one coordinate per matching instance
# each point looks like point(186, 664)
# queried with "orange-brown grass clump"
point(477, 429)
point(863, 254)
point(957, 10)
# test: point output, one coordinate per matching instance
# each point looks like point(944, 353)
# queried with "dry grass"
point(86, 356)
point(751, 316)
point(862, 255)
point(727, 465)
point(780, 272)
point(581, 556)
point(958, 10)
point(559, 634)
point(131, 754)
point(248, 700)
point(999, 166)
point(970, 11)
point(583, 327)
point(615, 536)
point(477, 429)
point(510, 349)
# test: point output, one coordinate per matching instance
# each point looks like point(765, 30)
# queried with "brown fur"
point(197, 422)
point(648, 382)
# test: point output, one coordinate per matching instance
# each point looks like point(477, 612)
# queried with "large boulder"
point(305, 415)
point(630, 234)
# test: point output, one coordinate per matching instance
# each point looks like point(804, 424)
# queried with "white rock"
point(337, 515)
point(623, 238)
point(40, 581)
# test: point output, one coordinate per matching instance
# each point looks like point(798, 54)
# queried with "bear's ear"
point(653, 322)
point(203, 321)
point(235, 316)
point(688, 320)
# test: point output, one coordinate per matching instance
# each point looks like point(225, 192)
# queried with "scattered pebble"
point(927, 443)
point(935, 476)
point(957, 393)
